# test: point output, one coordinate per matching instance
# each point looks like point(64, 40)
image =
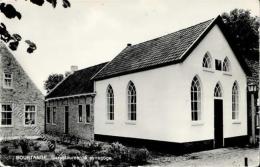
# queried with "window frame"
point(226, 67)
point(48, 115)
point(220, 64)
point(11, 80)
point(131, 105)
point(235, 102)
point(54, 121)
point(207, 61)
point(86, 115)
point(198, 100)
point(80, 113)
point(110, 104)
point(219, 87)
point(1, 111)
point(35, 114)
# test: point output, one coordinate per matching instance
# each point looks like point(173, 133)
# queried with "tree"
point(52, 81)
point(244, 29)
point(10, 12)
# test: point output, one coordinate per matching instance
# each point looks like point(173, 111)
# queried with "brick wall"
point(80, 129)
point(23, 92)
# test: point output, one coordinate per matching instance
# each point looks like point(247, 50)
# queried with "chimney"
point(73, 68)
point(129, 44)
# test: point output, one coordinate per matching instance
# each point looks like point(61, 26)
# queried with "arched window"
point(226, 65)
point(217, 91)
point(195, 99)
point(131, 101)
point(206, 63)
point(235, 103)
point(110, 103)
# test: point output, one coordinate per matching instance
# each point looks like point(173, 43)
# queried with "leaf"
point(17, 37)
point(4, 34)
point(53, 2)
point(13, 45)
point(37, 2)
point(9, 11)
point(66, 3)
point(31, 47)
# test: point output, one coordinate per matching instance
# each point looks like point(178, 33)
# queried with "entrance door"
point(218, 123)
point(66, 120)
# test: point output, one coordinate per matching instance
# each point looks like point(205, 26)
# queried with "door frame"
point(65, 119)
point(223, 144)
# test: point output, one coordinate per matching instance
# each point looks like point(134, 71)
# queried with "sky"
point(95, 31)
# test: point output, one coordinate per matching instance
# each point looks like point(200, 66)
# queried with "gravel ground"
point(224, 157)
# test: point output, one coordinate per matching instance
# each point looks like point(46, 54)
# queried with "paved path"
point(224, 157)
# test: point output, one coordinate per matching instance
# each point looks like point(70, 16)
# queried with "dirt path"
point(225, 157)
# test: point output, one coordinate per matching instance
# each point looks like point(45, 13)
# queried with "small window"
point(54, 115)
point(131, 102)
point(235, 101)
point(8, 80)
point(110, 103)
point(206, 61)
point(226, 65)
point(6, 114)
point(88, 113)
point(80, 113)
point(217, 91)
point(48, 115)
point(30, 115)
point(218, 65)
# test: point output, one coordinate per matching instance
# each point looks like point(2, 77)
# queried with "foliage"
point(10, 12)
point(51, 145)
point(5, 150)
point(52, 81)
point(36, 146)
point(53, 163)
point(25, 145)
point(244, 29)
point(138, 156)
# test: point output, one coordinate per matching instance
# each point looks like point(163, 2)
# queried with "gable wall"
point(163, 98)
point(217, 46)
point(18, 97)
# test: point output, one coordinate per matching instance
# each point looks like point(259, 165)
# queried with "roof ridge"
point(91, 66)
point(212, 19)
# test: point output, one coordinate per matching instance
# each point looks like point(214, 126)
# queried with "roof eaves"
point(197, 41)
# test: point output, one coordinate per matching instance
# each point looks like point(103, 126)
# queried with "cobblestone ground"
point(224, 157)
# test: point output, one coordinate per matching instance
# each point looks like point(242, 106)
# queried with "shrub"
point(16, 143)
point(36, 146)
point(68, 152)
point(118, 152)
point(138, 156)
point(53, 163)
point(25, 146)
point(92, 147)
point(5, 150)
point(52, 145)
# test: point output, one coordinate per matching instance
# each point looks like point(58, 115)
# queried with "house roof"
point(77, 83)
point(166, 50)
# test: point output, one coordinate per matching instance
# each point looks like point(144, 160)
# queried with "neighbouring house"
point(187, 89)
point(69, 106)
point(21, 102)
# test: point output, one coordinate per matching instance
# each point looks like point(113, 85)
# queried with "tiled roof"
point(169, 49)
point(77, 83)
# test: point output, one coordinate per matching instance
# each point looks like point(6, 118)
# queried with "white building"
point(185, 89)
